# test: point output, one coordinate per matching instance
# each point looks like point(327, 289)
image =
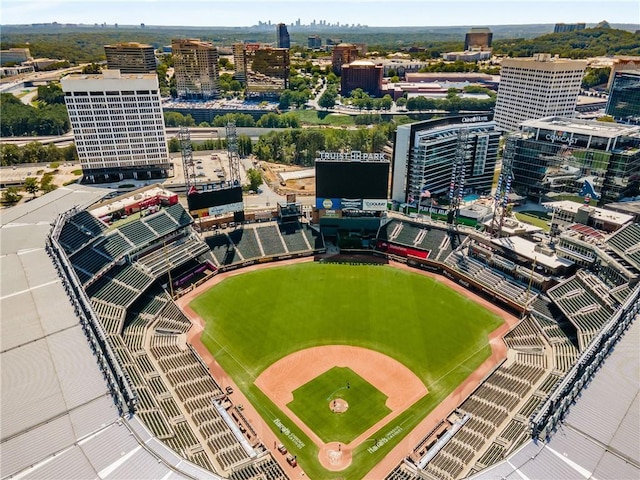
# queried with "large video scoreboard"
point(215, 202)
point(352, 181)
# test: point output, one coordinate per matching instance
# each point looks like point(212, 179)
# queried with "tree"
point(327, 99)
point(92, 68)
point(11, 195)
point(255, 179)
point(31, 186)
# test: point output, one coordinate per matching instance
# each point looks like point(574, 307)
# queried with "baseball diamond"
point(408, 336)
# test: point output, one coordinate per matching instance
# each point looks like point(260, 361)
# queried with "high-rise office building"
point(314, 41)
point(267, 71)
point(118, 125)
point(130, 57)
point(196, 69)
point(362, 74)
point(568, 27)
point(342, 54)
point(283, 36)
point(568, 156)
point(622, 63)
point(537, 87)
point(624, 97)
point(478, 38)
point(240, 62)
point(425, 152)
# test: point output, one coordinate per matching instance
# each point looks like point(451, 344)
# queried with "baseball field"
point(343, 361)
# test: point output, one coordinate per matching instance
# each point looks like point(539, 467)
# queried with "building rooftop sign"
point(353, 156)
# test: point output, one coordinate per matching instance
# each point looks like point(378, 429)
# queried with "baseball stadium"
point(358, 343)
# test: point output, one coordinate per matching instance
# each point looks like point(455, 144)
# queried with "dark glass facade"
point(549, 162)
point(624, 97)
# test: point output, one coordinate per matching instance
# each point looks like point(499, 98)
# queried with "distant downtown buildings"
point(118, 125)
point(537, 87)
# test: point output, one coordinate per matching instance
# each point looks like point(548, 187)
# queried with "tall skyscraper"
point(537, 87)
point(118, 125)
point(240, 62)
point(283, 36)
point(130, 57)
point(196, 69)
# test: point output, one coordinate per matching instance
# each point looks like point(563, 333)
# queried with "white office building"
point(118, 125)
point(537, 87)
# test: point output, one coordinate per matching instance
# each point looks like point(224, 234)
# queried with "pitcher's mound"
point(338, 405)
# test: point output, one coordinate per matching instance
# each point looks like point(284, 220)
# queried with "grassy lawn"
point(539, 219)
point(313, 117)
point(254, 319)
point(311, 403)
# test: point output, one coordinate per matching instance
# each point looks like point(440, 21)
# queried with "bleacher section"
point(493, 407)
point(161, 223)
point(626, 243)
point(170, 256)
point(255, 241)
point(179, 214)
point(81, 229)
point(584, 301)
point(418, 236)
point(270, 240)
point(138, 233)
point(494, 279)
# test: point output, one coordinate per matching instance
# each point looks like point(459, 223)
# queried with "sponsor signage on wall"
point(328, 204)
point(354, 203)
point(373, 205)
point(229, 208)
point(353, 156)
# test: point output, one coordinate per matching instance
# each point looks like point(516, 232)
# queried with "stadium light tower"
point(456, 187)
point(188, 166)
point(501, 198)
point(232, 152)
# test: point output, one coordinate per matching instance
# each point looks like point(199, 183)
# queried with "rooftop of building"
point(544, 58)
point(583, 127)
point(110, 75)
point(130, 45)
point(602, 214)
point(527, 249)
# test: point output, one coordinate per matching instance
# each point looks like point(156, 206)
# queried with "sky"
point(365, 12)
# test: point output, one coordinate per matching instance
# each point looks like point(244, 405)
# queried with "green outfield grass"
point(312, 404)
point(254, 319)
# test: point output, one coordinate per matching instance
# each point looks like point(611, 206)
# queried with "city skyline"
point(375, 13)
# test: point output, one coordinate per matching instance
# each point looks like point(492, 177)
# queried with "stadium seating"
point(161, 223)
point(626, 242)
point(172, 255)
point(138, 233)
point(179, 214)
point(294, 238)
point(80, 229)
point(270, 240)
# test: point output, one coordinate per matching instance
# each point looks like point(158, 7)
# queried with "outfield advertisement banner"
point(229, 208)
point(374, 205)
point(328, 204)
point(354, 203)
